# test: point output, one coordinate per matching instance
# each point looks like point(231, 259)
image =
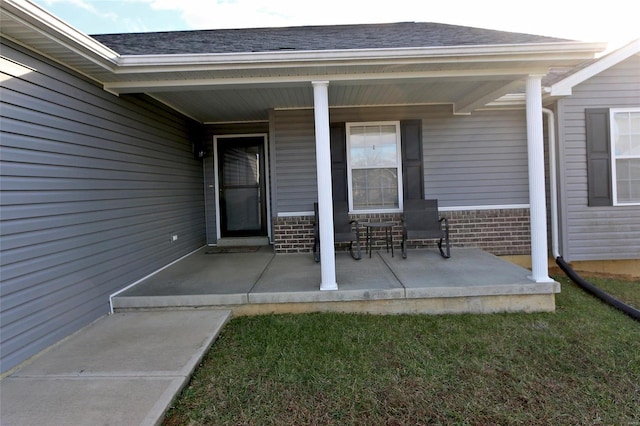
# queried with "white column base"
point(545, 279)
point(324, 286)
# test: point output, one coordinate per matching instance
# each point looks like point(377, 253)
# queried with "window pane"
point(635, 193)
point(626, 133)
point(621, 143)
point(373, 146)
point(375, 188)
point(634, 130)
point(628, 180)
point(241, 166)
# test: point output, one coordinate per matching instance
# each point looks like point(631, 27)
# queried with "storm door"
point(241, 177)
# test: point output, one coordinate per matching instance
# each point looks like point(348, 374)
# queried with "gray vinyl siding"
point(595, 233)
point(92, 188)
point(210, 200)
point(476, 160)
point(295, 161)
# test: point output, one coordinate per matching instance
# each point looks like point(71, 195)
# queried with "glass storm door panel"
point(241, 183)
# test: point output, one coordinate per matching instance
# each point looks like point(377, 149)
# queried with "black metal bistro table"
point(388, 234)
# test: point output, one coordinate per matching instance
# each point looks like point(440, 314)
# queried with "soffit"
point(253, 103)
point(31, 26)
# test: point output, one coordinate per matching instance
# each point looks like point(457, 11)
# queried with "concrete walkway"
point(124, 369)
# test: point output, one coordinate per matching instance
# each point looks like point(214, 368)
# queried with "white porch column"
point(325, 196)
point(537, 201)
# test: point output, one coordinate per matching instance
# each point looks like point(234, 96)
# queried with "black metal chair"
point(344, 230)
point(421, 221)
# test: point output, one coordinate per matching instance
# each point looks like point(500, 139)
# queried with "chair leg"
point(357, 255)
point(446, 253)
point(403, 245)
point(445, 236)
point(316, 248)
point(358, 250)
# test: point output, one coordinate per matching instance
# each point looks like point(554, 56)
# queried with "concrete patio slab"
point(466, 268)
point(296, 279)
point(425, 274)
point(180, 300)
point(471, 281)
point(299, 273)
point(124, 369)
point(207, 272)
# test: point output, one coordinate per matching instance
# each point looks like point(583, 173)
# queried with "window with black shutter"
point(412, 161)
point(598, 157)
point(412, 177)
point(338, 162)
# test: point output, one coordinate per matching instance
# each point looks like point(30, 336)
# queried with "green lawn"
point(579, 365)
point(625, 291)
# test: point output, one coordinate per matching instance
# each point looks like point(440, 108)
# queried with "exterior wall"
point(498, 231)
point(476, 160)
point(469, 161)
point(294, 162)
point(93, 188)
point(595, 233)
point(476, 166)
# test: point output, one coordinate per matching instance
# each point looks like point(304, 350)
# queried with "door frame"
point(267, 183)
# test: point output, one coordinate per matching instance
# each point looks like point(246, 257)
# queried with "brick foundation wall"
point(500, 232)
point(293, 234)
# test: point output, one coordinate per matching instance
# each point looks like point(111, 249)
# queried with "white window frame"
point(398, 165)
point(614, 157)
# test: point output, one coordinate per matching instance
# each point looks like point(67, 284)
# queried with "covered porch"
point(252, 281)
point(230, 93)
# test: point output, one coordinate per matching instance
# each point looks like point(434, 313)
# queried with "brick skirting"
point(500, 232)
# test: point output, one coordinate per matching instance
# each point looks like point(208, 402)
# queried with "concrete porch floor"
point(260, 282)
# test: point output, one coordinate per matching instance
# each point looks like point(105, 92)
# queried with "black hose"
point(602, 295)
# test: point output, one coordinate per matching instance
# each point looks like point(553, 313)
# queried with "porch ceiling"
point(252, 103)
point(226, 87)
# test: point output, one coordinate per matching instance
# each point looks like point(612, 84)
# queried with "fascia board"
point(481, 97)
point(565, 87)
point(156, 85)
point(510, 100)
point(39, 20)
point(575, 50)
point(496, 61)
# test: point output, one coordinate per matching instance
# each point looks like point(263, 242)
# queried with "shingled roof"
point(309, 38)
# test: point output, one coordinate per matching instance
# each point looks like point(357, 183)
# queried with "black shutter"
point(598, 157)
point(339, 162)
point(412, 161)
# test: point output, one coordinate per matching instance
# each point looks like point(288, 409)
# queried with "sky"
point(581, 20)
